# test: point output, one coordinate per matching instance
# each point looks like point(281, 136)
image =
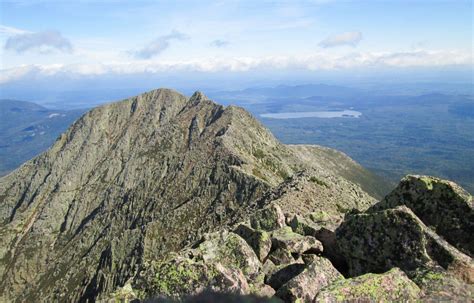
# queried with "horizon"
point(215, 45)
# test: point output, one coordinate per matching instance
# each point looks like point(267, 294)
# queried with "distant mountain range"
point(27, 129)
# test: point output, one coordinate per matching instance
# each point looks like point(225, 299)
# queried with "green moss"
point(257, 173)
point(318, 181)
point(258, 153)
point(170, 277)
point(374, 287)
point(283, 174)
point(319, 216)
point(428, 182)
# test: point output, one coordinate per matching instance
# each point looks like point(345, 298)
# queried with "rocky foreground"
point(385, 254)
point(164, 198)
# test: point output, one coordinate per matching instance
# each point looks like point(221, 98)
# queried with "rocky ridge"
point(133, 183)
point(384, 254)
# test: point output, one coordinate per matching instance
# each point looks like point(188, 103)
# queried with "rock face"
point(132, 181)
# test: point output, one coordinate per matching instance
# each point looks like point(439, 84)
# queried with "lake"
point(318, 114)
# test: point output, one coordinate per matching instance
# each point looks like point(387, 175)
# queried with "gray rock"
point(379, 241)
point(268, 219)
point(440, 204)
point(392, 286)
point(305, 285)
point(259, 240)
point(285, 238)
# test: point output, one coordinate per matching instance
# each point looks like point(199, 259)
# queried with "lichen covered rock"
point(443, 205)
point(259, 240)
point(379, 241)
point(268, 218)
point(392, 286)
point(181, 277)
point(231, 250)
point(304, 286)
point(285, 238)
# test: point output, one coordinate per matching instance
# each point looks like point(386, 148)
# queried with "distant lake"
point(319, 114)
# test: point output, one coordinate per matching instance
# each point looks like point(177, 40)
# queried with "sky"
point(119, 43)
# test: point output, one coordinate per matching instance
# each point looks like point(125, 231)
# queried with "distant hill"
point(27, 129)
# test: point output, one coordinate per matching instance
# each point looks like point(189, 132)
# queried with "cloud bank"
point(347, 38)
point(320, 61)
point(43, 42)
point(158, 45)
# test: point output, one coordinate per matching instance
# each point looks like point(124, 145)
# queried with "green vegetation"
point(395, 136)
point(318, 181)
point(258, 153)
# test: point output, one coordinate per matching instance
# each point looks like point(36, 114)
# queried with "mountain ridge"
point(132, 172)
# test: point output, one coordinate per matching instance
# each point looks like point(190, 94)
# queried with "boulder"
point(304, 286)
point(303, 226)
point(440, 286)
point(281, 256)
point(268, 218)
point(379, 241)
point(392, 286)
point(285, 238)
point(440, 204)
point(231, 250)
point(323, 227)
point(259, 240)
point(263, 290)
point(182, 277)
point(283, 274)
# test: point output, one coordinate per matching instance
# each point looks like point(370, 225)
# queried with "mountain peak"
point(198, 96)
point(135, 180)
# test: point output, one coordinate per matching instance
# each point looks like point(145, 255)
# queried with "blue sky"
point(113, 39)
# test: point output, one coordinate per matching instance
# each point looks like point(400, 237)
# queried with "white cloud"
point(9, 31)
point(158, 45)
point(41, 41)
point(220, 43)
point(347, 38)
point(314, 62)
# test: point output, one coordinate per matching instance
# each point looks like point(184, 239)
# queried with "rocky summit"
point(168, 198)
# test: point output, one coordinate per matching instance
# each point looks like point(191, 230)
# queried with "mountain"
point(168, 198)
point(27, 129)
point(132, 181)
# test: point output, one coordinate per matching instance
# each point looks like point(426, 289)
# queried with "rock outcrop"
point(402, 231)
point(442, 205)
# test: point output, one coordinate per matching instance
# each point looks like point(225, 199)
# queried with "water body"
point(319, 114)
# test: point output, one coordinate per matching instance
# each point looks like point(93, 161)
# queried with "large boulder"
point(229, 249)
point(441, 286)
point(440, 204)
point(181, 277)
point(392, 286)
point(378, 241)
point(259, 240)
point(285, 238)
point(282, 274)
point(268, 218)
point(304, 286)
